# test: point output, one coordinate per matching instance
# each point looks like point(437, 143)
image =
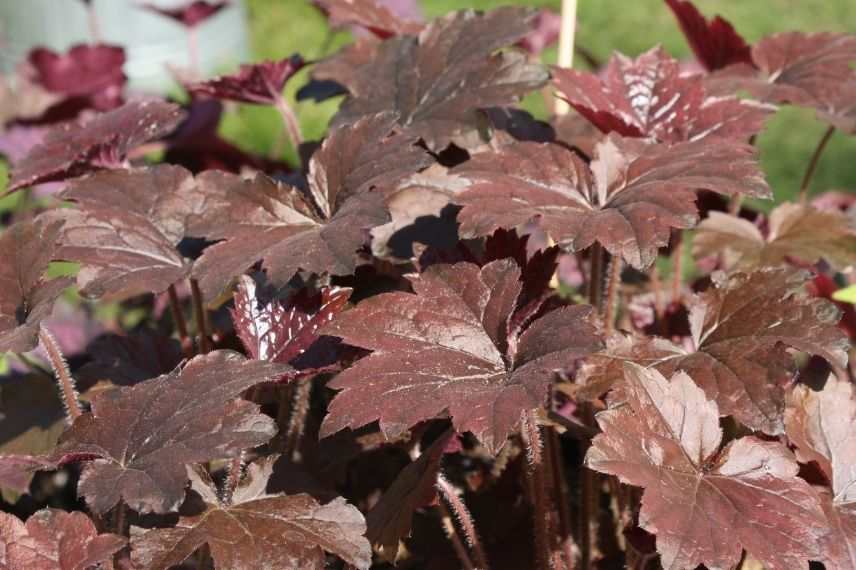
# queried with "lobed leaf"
point(714, 42)
point(191, 13)
point(446, 348)
point(259, 83)
point(142, 436)
point(26, 297)
point(436, 82)
point(705, 505)
point(628, 200)
point(53, 539)
point(369, 14)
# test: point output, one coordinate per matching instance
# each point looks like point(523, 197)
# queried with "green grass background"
point(282, 27)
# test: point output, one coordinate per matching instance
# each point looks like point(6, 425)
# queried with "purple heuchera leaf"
point(372, 15)
point(704, 502)
point(142, 436)
point(259, 83)
point(288, 333)
point(53, 539)
point(544, 33)
point(26, 298)
point(191, 14)
point(450, 347)
point(257, 530)
point(649, 97)
point(90, 71)
point(715, 43)
point(73, 149)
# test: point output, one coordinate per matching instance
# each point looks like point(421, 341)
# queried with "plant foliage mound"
point(449, 334)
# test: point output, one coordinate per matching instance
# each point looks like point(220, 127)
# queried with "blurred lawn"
point(282, 27)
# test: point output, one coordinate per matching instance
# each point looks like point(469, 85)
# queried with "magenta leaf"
point(257, 530)
point(649, 97)
point(715, 43)
point(72, 149)
point(90, 71)
point(191, 14)
point(448, 347)
point(53, 539)
point(259, 83)
point(142, 436)
point(26, 297)
point(628, 199)
point(288, 333)
point(705, 503)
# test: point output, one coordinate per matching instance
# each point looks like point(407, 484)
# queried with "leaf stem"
point(452, 535)
point(300, 403)
point(92, 18)
point(457, 506)
point(289, 120)
point(554, 451)
point(812, 165)
point(531, 435)
point(611, 304)
point(66, 383)
point(201, 318)
point(234, 472)
point(595, 282)
point(180, 323)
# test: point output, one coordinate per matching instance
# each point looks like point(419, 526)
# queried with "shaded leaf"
point(259, 83)
point(714, 42)
point(124, 360)
point(126, 228)
point(544, 32)
point(26, 298)
point(258, 531)
point(143, 436)
point(628, 200)
point(705, 505)
point(822, 425)
point(839, 109)
point(16, 471)
point(55, 540)
point(191, 13)
point(649, 97)
point(72, 149)
point(437, 81)
point(795, 232)
point(288, 333)
point(391, 518)
point(449, 347)
point(319, 230)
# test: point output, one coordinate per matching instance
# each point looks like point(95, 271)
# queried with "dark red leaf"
point(26, 297)
point(822, 425)
point(628, 200)
point(705, 504)
point(55, 540)
point(794, 67)
point(191, 14)
point(714, 42)
point(739, 331)
point(319, 230)
point(391, 519)
point(369, 14)
point(125, 230)
point(259, 83)
point(436, 82)
point(73, 149)
point(444, 349)
point(124, 360)
point(93, 71)
point(288, 333)
point(258, 530)
point(649, 97)
point(142, 436)
point(544, 32)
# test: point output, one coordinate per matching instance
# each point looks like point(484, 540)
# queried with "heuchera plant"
point(369, 359)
